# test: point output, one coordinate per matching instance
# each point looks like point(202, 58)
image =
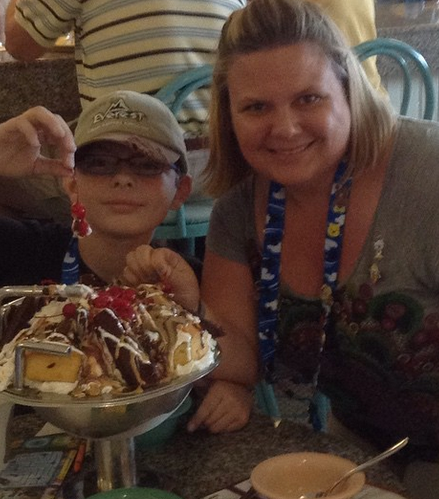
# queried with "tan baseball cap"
point(128, 116)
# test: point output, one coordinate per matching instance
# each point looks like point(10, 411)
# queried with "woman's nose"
point(286, 123)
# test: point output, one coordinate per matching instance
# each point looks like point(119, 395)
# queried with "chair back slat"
point(403, 53)
point(181, 224)
point(184, 84)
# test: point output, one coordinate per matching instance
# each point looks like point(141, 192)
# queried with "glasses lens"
point(97, 164)
point(145, 167)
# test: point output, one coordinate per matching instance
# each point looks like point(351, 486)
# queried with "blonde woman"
point(321, 261)
point(320, 181)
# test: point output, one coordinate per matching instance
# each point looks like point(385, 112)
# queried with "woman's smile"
point(290, 151)
point(289, 109)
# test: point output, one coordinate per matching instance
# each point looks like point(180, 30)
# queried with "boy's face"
point(126, 200)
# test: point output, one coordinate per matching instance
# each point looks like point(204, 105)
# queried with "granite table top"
point(199, 464)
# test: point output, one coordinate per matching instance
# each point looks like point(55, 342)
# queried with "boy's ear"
point(71, 188)
point(183, 191)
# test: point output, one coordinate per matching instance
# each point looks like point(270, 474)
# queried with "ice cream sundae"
point(119, 339)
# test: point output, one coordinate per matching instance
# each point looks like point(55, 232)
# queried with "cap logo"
point(118, 110)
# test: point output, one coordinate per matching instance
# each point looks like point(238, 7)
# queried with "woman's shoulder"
point(232, 222)
point(417, 135)
point(240, 193)
point(236, 205)
point(412, 179)
point(416, 149)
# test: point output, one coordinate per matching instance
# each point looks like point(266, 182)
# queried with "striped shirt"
point(135, 45)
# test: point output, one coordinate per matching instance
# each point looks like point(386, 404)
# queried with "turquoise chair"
point(407, 58)
point(191, 220)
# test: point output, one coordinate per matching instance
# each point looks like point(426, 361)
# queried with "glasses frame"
point(112, 165)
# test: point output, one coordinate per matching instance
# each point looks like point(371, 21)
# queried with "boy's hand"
point(151, 265)
point(22, 138)
point(226, 407)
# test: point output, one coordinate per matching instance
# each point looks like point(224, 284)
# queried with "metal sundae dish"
point(104, 364)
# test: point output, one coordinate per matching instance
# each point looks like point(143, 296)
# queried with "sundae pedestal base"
point(135, 494)
point(114, 460)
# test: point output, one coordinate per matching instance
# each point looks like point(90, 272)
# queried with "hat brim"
point(147, 147)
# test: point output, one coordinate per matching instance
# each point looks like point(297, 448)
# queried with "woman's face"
point(290, 113)
point(126, 204)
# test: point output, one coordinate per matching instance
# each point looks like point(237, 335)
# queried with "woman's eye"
point(255, 107)
point(310, 99)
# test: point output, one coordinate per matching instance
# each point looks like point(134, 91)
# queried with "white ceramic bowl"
point(289, 476)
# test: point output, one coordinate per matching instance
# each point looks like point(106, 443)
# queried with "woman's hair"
point(267, 24)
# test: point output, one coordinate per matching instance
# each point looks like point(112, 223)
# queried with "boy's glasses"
point(106, 164)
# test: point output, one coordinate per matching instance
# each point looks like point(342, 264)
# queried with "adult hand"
point(226, 407)
point(151, 265)
point(21, 141)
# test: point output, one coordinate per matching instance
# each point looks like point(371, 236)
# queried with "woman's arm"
point(229, 299)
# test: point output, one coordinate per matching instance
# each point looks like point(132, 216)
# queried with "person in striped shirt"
point(131, 44)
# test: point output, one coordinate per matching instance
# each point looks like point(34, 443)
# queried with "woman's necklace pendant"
point(326, 296)
point(374, 270)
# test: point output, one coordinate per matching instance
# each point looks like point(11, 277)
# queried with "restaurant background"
point(53, 78)
point(51, 81)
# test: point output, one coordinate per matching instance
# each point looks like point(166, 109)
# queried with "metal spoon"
point(361, 467)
